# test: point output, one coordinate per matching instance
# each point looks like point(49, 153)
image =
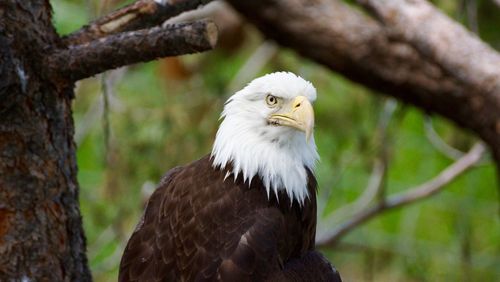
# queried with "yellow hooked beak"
point(298, 114)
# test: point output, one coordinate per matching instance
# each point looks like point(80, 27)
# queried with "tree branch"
point(412, 195)
point(438, 143)
point(364, 50)
point(438, 183)
point(376, 186)
point(461, 53)
point(138, 15)
point(85, 60)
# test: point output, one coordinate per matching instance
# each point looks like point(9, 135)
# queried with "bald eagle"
point(247, 211)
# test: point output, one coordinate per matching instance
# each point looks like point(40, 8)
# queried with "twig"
point(438, 183)
point(471, 10)
point(413, 195)
point(84, 124)
point(390, 106)
point(376, 186)
point(88, 59)
point(106, 89)
point(438, 143)
point(94, 111)
point(139, 15)
point(369, 194)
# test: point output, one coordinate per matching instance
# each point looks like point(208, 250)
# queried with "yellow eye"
point(271, 100)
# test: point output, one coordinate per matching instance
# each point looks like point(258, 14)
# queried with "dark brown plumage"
point(199, 227)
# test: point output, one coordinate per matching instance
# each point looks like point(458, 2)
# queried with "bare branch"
point(96, 108)
point(375, 184)
point(81, 61)
point(412, 195)
point(139, 15)
point(438, 143)
point(471, 11)
point(375, 188)
point(382, 135)
point(438, 183)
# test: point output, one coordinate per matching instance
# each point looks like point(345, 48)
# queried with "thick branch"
point(362, 49)
point(139, 15)
point(85, 60)
point(412, 195)
point(437, 37)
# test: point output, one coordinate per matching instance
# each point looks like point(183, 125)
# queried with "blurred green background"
point(135, 123)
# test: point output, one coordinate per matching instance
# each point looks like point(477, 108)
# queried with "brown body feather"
point(199, 227)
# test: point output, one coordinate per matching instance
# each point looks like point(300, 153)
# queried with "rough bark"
point(41, 236)
point(365, 51)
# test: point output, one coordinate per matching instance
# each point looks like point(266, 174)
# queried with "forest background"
point(135, 123)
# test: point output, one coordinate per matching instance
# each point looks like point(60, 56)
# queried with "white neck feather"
point(278, 157)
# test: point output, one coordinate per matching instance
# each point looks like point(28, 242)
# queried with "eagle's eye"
point(271, 100)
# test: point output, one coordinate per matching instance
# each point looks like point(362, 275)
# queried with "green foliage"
point(158, 123)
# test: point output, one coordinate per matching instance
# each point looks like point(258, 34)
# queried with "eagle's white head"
point(268, 130)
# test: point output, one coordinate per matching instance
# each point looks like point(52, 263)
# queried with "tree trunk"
point(41, 235)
